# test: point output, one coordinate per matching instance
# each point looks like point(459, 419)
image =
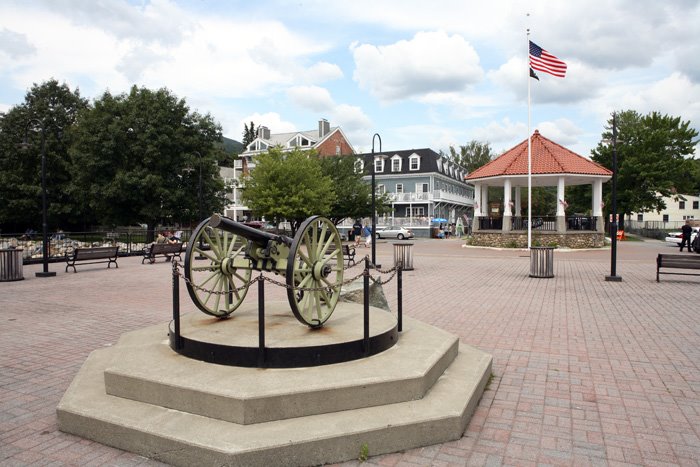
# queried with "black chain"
point(261, 277)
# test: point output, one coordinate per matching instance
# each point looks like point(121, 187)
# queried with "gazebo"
point(505, 224)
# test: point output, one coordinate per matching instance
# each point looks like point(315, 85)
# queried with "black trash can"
point(542, 261)
point(403, 252)
point(11, 268)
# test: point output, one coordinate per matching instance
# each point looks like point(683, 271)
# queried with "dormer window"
point(299, 141)
point(378, 164)
point(414, 162)
point(396, 163)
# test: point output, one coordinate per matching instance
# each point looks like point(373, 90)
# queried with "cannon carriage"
point(222, 255)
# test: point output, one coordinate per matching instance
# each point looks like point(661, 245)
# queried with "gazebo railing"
point(490, 223)
point(541, 223)
point(581, 223)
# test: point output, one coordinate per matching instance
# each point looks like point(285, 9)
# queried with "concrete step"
point(182, 438)
point(153, 373)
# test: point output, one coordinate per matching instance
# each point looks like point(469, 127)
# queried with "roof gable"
point(548, 157)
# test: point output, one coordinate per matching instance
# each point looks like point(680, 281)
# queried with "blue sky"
point(421, 74)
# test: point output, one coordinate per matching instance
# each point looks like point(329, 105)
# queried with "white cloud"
point(561, 131)
point(15, 45)
point(430, 62)
point(272, 120)
point(501, 135)
point(314, 98)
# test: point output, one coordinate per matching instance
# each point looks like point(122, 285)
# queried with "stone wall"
point(519, 239)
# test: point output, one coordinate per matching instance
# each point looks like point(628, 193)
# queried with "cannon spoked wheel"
point(215, 278)
point(315, 260)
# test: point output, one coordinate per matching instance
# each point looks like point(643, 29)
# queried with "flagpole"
point(529, 153)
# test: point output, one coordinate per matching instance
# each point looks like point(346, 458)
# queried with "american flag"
point(541, 60)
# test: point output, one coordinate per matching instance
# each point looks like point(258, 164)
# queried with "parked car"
point(394, 231)
point(676, 237)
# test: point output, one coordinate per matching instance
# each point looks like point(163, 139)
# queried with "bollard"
point(261, 322)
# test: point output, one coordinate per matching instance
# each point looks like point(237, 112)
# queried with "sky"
point(420, 74)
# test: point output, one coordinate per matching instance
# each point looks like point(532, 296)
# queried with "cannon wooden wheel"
point(315, 260)
point(212, 281)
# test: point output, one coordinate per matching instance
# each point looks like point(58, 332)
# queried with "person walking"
point(357, 232)
point(367, 233)
point(686, 230)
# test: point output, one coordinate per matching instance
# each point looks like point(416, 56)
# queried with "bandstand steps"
point(179, 437)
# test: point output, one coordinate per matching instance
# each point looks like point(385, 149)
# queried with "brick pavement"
point(586, 372)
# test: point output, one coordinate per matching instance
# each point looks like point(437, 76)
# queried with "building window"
point(399, 187)
point(681, 204)
point(414, 163)
point(381, 189)
point(665, 218)
point(396, 164)
point(695, 204)
point(337, 149)
point(415, 212)
point(640, 217)
point(378, 164)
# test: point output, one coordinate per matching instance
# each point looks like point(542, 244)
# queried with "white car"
point(677, 237)
point(394, 232)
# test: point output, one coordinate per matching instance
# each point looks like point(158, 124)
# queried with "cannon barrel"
point(251, 233)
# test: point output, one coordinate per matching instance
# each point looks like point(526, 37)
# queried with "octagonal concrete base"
point(142, 397)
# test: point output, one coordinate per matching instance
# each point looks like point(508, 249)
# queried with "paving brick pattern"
point(586, 372)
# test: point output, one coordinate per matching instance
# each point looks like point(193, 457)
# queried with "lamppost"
point(613, 277)
point(44, 217)
point(374, 205)
point(200, 211)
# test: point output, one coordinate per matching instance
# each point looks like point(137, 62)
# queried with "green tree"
point(652, 159)
point(248, 134)
point(472, 155)
point(288, 185)
point(138, 157)
point(353, 194)
point(53, 107)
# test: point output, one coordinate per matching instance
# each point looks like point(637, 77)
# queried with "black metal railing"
point(581, 223)
point(490, 223)
point(540, 223)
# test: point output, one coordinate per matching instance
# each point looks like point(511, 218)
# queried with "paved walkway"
point(586, 372)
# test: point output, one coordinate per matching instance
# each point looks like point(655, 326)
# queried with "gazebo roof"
point(549, 160)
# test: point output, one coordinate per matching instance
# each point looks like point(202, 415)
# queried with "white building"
point(679, 208)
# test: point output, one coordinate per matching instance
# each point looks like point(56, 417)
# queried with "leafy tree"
point(249, 134)
point(472, 155)
point(288, 185)
point(138, 157)
point(652, 159)
point(53, 107)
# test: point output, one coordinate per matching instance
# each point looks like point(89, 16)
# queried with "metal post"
point(199, 205)
point(399, 298)
point(261, 322)
point(176, 308)
point(613, 277)
point(374, 206)
point(44, 204)
point(366, 305)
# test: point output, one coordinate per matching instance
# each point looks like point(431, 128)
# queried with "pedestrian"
point(367, 233)
point(686, 230)
point(357, 232)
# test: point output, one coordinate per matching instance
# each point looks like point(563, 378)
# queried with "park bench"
point(168, 250)
point(349, 254)
point(677, 262)
point(92, 255)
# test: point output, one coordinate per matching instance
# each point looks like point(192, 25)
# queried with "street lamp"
point(44, 222)
point(374, 207)
point(200, 211)
point(613, 277)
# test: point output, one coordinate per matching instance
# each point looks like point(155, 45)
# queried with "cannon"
point(222, 254)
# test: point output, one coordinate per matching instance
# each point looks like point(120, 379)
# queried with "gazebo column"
point(507, 219)
point(485, 201)
point(598, 206)
point(518, 201)
point(561, 211)
point(477, 207)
